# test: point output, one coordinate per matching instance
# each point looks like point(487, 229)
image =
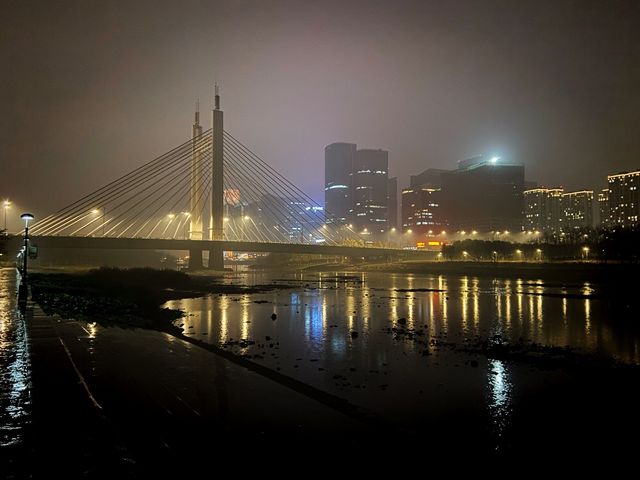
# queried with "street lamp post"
point(23, 291)
point(7, 205)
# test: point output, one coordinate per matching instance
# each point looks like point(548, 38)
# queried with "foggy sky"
point(90, 90)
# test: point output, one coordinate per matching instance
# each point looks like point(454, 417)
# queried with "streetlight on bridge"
point(103, 210)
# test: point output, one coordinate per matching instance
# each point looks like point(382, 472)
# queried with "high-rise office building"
point(369, 187)
point(421, 210)
point(483, 194)
point(577, 210)
point(338, 170)
point(624, 204)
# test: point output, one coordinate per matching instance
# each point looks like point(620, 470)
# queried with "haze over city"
point(94, 90)
point(393, 232)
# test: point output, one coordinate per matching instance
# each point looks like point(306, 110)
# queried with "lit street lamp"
point(23, 290)
point(7, 206)
point(585, 254)
point(96, 211)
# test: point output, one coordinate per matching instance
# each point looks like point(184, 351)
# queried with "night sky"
point(90, 90)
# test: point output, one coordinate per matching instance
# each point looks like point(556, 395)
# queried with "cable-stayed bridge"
point(210, 193)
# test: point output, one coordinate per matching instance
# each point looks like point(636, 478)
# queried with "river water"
point(406, 346)
point(15, 400)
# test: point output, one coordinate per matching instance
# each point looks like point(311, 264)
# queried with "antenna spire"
point(216, 92)
point(197, 111)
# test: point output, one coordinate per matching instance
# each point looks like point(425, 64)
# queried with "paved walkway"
point(110, 401)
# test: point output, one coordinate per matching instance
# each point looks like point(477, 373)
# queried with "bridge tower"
point(217, 190)
point(196, 230)
point(197, 173)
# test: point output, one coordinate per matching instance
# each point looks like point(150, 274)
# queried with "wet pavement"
point(15, 369)
point(125, 403)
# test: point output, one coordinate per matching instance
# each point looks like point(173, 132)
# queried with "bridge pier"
point(195, 259)
point(216, 259)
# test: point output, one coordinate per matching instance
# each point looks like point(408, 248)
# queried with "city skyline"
point(431, 86)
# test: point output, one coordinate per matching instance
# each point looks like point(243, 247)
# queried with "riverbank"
point(128, 297)
point(562, 271)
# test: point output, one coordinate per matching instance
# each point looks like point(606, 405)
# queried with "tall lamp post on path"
point(23, 289)
point(7, 205)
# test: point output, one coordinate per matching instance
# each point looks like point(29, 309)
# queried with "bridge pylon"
point(217, 190)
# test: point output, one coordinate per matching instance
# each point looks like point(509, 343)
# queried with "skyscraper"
point(421, 209)
point(338, 167)
point(369, 189)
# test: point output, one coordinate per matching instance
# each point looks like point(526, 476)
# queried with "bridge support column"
point(217, 164)
point(195, 259)
point(216, 259)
